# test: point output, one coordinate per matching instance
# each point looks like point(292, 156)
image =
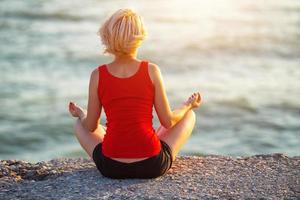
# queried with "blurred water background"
point(244, 57)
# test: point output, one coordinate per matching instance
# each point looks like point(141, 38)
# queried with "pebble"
point(270, 176)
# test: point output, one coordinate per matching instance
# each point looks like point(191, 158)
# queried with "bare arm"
point(90, 120)
point(166, 117)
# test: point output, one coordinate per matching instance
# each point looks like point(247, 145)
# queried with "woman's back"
point(129, 147)
point(128, 104)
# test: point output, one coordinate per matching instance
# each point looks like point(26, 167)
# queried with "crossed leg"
point(88, 140)
point(176, 136)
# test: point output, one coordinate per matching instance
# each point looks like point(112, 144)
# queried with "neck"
point(124, 57)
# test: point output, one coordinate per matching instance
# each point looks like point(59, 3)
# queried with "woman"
point(127, 89)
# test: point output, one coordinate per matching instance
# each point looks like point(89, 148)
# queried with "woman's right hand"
point(194, 100)
point(76, 111)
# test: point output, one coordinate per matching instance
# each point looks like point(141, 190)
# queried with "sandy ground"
point(272, 176)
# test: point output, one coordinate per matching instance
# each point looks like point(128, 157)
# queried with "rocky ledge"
point(273, 176)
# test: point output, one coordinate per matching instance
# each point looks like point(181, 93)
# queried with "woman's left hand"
point(76, 111)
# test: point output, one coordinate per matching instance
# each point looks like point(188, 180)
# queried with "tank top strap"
point(101, 78)
point(144, 68)
point(144, 73)
point(101, 68)
point(101, 72)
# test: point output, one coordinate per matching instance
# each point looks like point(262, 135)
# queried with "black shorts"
point(151, 167)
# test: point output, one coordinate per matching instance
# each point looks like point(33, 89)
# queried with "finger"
point(75, 105)
point(72, 107)
point(71, 104)
point(199, 96)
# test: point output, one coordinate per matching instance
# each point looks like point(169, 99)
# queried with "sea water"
point(243, 56)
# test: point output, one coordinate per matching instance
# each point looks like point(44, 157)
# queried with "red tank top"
point(128, 104)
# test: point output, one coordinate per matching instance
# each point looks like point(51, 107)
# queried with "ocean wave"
point(287, 106)
point(44, 16)
point(243, 103)
point(254, 44)
point(239, 103)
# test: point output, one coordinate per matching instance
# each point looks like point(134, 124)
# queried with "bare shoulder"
point(154, 72)
point(153, 68)
point(94, 76)
point(94, 73)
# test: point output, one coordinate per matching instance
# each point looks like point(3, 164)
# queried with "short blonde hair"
point(123, 32)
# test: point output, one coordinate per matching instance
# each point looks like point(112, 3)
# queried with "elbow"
point(91, 128)
point(169, 124)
